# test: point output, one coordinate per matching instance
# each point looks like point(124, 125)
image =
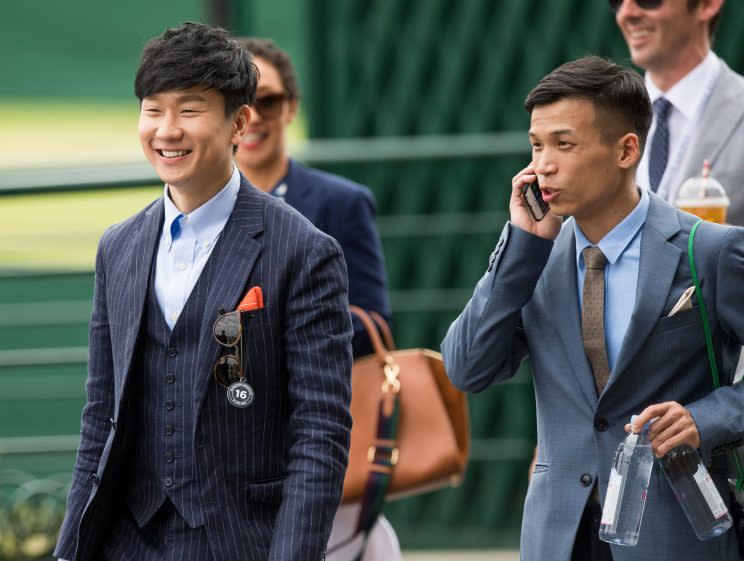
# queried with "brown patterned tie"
point(592, 315)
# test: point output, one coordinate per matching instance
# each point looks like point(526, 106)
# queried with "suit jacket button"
point(585, 480)
point(94, 479)
point(601, 424)
point(168, 430)
point(172, 352)
point(168, 481)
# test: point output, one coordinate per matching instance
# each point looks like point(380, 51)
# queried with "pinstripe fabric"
point(166, 537)
point(270, 476)
point(346, 211)
point(163, 463)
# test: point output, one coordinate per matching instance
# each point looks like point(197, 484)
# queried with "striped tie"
point(659, 143)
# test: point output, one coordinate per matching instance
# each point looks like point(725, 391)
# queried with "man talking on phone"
point(592, 301)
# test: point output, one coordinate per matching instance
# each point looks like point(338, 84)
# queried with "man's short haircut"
point(279, 59)
point(194, 54)
point(618, 94)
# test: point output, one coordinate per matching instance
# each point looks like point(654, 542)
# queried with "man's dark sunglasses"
point(643, 4)
point(227, 332)
point(270, 106)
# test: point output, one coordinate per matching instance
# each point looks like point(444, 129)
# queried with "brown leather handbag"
point(411, 429)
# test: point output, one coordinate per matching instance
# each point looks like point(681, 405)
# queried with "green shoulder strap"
point(709, 339)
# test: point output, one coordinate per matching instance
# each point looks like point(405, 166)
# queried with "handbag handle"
point(384, 328)
point(383, 455)
point(381, 350)
point(709, 338)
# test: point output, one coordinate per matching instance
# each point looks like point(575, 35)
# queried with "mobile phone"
point(533, 196)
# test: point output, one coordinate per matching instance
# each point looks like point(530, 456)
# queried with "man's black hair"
point(194, 54)
point(618, 94)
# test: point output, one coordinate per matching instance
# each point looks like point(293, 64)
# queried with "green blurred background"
point(421, 100)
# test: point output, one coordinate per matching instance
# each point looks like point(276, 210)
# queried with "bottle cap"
point(646, 426)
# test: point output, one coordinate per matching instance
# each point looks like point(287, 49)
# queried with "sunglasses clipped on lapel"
point(227, 331)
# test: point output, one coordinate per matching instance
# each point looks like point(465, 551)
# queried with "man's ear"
point(708, 9)
point(629, 151)
point(240, 123)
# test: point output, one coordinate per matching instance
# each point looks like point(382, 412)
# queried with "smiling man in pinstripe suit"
point(169, 468)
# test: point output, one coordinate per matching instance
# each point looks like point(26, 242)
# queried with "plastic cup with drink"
point(704, 197)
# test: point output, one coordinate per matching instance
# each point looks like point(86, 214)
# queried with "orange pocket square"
point(253, 300)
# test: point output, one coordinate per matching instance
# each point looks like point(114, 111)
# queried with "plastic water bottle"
point(696, 492)
point(626, 490)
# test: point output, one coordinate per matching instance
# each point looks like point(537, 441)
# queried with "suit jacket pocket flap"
point(269, 491)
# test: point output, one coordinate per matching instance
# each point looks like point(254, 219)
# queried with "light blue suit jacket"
point(720, 140)
point(526, 304)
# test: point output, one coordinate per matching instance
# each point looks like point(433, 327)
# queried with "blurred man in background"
point(338, 207)
point(698, 100)
point(210, 433)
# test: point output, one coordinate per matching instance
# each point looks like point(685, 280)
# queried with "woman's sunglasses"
point(643, 4)
point(270, 106)
point(227, 331)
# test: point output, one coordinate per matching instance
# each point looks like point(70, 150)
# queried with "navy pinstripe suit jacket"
point(270, 476)
point(345, 210)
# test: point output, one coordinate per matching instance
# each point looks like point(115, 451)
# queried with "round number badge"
point(240, 394)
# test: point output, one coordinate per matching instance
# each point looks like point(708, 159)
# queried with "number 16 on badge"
point(240, 394)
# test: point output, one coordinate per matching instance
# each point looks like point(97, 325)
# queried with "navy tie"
point(659, 143)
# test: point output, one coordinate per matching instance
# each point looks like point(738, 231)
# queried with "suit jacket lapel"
point(138, 266)
point(564, 299)
point(656, 271)
point(722, 116)
point(233, 261)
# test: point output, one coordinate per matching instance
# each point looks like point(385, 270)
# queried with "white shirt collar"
point(687, 94)
point(210, 218)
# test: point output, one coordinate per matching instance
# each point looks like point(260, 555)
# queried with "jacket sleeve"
point(95, 426)
point(318, 351)
point(719, 416)
point(486, 343)
point(360, 243)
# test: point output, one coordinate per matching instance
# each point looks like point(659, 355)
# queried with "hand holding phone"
point(528, 211)
point(533, 196)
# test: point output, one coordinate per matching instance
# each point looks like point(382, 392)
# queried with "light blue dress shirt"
point(622, 248)
point(186, 243)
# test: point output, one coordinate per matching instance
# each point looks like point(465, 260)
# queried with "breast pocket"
point(257, 327)
point(679, 321)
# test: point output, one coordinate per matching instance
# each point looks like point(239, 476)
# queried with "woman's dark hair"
point(194, 54)
point(279, 59)
point(618, 94)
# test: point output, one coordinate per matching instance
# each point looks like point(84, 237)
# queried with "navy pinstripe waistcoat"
point(268, 477)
